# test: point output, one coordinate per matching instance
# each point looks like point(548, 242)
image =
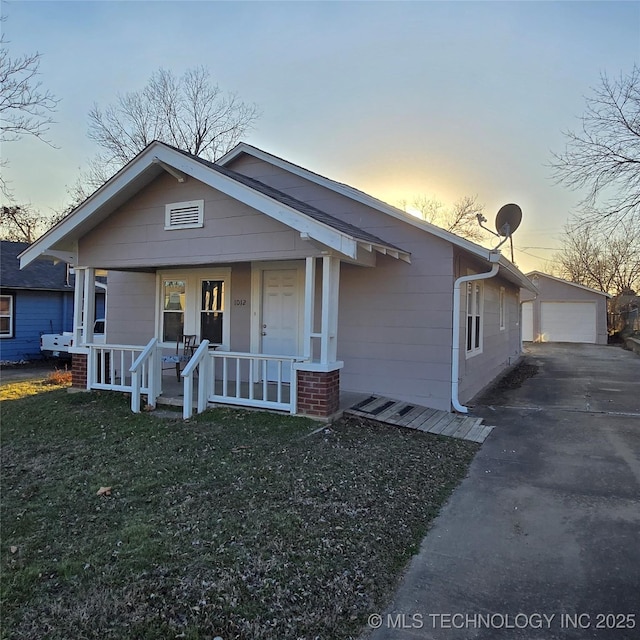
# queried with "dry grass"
point(237, 524)
point(39, 383)
point(59, 378)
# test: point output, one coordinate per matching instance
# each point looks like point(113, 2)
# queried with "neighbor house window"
point(173, 307)
point(184, 215)
point(474, 317)
point(6, 316)
point(212, 310)
point(502, 311)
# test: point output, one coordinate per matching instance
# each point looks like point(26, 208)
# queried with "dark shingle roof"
point(41, 274)
point(294, 203)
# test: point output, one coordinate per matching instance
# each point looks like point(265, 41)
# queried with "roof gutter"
point(494, 257)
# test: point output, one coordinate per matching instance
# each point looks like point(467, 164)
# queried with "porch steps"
point(404, 414)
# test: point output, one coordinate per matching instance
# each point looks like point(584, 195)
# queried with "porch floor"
point(381, 409)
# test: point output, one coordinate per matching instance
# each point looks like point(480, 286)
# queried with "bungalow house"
point(297, 288)
point(33, 301)
point(563, 311)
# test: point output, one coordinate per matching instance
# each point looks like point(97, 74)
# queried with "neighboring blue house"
point(36, 300)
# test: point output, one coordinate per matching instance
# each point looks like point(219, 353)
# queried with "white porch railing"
point(146, 376)
point(244, 379)
point(201, 363)
point(123, 367)
point(225, 377)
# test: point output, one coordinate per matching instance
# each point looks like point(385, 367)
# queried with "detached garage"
point(563, 312)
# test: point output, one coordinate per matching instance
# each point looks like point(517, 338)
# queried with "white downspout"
point(455, 348)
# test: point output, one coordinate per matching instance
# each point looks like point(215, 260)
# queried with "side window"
point(474, 317)
point(6, 316)
point(212, 311)
point(173, 305)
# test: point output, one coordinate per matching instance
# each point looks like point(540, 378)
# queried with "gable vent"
point(184, 215)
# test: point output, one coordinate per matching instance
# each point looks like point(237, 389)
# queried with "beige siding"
point(395, 321)
point(394, 330)
point(500, 347)
point(134, 235)
point(131, 304)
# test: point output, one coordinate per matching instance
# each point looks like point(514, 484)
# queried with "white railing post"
point(135, 391)
point(187, 374)
point(137, 370)
point(90, 368)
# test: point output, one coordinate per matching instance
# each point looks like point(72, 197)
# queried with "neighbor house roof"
point(41, 275)
point(531, 274)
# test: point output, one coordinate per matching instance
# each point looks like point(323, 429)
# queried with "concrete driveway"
point(542, 539)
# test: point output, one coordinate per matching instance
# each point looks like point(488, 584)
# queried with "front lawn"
point(234, 524)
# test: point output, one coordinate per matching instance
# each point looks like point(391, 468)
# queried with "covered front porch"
point(287, 313)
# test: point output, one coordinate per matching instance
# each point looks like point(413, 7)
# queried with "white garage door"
point(568, 321)
point(527, 321)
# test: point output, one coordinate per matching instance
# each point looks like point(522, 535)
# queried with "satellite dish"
point(508, 219)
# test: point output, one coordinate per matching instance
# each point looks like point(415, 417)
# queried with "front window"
point(211, 310)
point(474, 317)
point(6, 316)
point(174, 299)
point(195, 302)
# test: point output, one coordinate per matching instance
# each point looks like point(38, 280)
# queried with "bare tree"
point(189, 112)
point(604, 155)
point(25, 107)
point(20, 223)
point(601, 259)
point(460, 219)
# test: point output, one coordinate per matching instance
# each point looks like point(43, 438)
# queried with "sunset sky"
point(398, 99)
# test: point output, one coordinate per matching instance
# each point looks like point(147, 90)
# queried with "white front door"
point(280, 314)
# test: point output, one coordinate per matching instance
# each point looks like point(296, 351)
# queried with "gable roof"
point(39, 276)
point(507, 268)
point(309, 221)
point(531, 274)
point(60, 241)
point(303, 207)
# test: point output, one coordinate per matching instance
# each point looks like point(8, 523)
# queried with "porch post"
point(89, 310)
point(318, 383)
point(309, 305)
point(330, 291)
point(78, 305)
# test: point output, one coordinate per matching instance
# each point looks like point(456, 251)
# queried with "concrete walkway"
point(542, 539)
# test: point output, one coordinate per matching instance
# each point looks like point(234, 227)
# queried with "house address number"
point(239, 302)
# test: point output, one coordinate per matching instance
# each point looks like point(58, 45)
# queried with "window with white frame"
point(195, 302)
point(502, 309)
point(475, 306)
point(174, 293)
point(6, 316)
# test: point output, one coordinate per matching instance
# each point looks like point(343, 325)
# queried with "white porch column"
point(89, 308)
point(309, 306)
point(330, 293)
point(78, 306)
